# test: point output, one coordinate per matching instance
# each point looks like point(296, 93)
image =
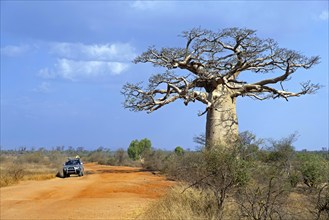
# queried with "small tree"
point(133, 150)
point(137, 148)
point(248, 145)
point(282, 153)
point(179, 151)
point(218, 170)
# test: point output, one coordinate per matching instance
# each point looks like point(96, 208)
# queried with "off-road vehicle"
point(73, 166)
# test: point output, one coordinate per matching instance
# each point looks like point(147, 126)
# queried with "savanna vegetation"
point(30, 164)
point(252, 179)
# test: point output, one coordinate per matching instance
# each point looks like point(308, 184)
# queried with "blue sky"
point(63, 65)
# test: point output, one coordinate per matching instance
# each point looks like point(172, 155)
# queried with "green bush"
point(179, 151)
point(294, 179)
point(282, 153)
point(137, 149)
point(314, 169)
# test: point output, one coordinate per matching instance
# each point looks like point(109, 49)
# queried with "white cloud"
point(14, 50)
point(44, 87)
point(77, 61)
point(143, 5)
point(324, 15)
point(100, 52)
point(46, 73)
point(82, 70)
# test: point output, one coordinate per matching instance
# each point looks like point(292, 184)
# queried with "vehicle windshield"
point(72, 162)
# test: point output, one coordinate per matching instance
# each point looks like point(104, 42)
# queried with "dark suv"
point(73, 166)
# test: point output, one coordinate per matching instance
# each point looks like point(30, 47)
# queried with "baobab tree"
point(213, 64)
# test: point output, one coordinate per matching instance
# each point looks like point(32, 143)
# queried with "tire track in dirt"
point(106, 193)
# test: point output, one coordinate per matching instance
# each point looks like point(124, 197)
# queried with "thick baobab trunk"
point(222, 122)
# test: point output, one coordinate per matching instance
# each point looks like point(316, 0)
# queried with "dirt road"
point(105, 192)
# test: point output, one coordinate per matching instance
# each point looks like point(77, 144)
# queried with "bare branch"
point(261, 92)
point(215, 60)
point(139, 99)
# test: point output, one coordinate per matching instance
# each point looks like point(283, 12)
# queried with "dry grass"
point(303, 202)
point(200, 204)
point(12, 173)
point(299, 206)
point(39, 176)
point(192, 204)
point(36, 165)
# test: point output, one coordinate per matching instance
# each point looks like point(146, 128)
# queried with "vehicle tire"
point(80, 173)
point(64, 174)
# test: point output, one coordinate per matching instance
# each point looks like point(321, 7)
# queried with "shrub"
point(11, 175)
point(224, 171)
point(294, 179)
point(37, 157)
point(56, 159)
point(263, 200)
point(282, 153)
point(137, 148)
point(218, 171)
point(16, 171)
point(156, 160)
point(179, 151)
point(192, 204)
point(188, 168)
point(100, 156)
point(321, 201)
point(314, 169)
point(120, 157)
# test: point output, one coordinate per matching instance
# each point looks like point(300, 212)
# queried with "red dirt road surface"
point(105, 192)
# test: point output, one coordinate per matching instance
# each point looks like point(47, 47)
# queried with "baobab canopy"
point(214, 63)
